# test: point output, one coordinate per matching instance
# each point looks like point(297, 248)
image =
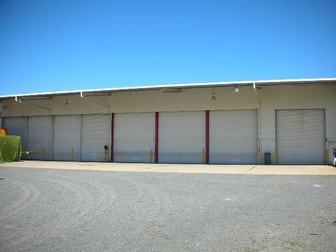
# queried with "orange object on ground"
point(3, 131)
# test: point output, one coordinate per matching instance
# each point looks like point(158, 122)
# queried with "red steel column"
point(207, 136)
point(156, 137)
point(112, 137)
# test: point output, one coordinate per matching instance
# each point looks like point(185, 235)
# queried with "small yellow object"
point(276, 157)
point(258, 157)
point(203, 156)
point(151, 156)
point(327, 159)
point(3, 131)
point(72, 154)
point(43, 154)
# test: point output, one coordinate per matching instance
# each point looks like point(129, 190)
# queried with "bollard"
point(258, 157)
point(151, 156)
point(327, 159)
point(276, 157)
point(43, 154)
point(72, 154)
point(203, 156)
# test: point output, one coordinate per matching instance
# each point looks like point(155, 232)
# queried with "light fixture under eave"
point(255, 87)
point(170, 90)
point(213, 97)
point(18, 99)
point(236, 89)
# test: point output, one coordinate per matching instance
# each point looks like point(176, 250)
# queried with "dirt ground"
point(68, 206)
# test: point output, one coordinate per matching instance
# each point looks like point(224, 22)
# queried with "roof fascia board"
point(182, 86)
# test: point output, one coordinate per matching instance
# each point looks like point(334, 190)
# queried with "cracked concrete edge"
point(179, 168)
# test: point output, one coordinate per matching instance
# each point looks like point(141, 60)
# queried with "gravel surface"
point(76, 210)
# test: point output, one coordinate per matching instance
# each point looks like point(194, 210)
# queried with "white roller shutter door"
point(233, 137)
point(181, 137)
point(40, 130)
point(300, 136)
point(17, 126)
point(134, 137)
point(67, 138)
point(96, 133)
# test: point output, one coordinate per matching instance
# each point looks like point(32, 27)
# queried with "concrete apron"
point(179, 168)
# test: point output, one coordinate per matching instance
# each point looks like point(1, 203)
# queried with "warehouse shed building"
point(249, 122)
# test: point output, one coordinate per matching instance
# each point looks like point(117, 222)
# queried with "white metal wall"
point(67, 137)
point(134, 136)
point(17, 126)
point(233, 137)
point(300, 136)
point(181, 137)
point(40, 132)
point(96, 133)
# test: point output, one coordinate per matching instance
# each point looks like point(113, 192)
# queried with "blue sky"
point(68, 45)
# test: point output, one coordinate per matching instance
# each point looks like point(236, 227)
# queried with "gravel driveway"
point(77, 210)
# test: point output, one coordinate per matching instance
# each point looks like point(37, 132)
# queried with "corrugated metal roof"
point(181, 86)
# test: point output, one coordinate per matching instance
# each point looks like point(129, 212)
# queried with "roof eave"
point(181, 86)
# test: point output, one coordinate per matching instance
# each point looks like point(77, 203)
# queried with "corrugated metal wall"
point(134, 137)
point(233, 137)
point(96, 133)
point(300, 136)
point(181, 137)
point(67, 137)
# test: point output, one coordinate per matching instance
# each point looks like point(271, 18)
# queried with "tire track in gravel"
point(29, 194)
point(154, 216)
point(83, 204)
